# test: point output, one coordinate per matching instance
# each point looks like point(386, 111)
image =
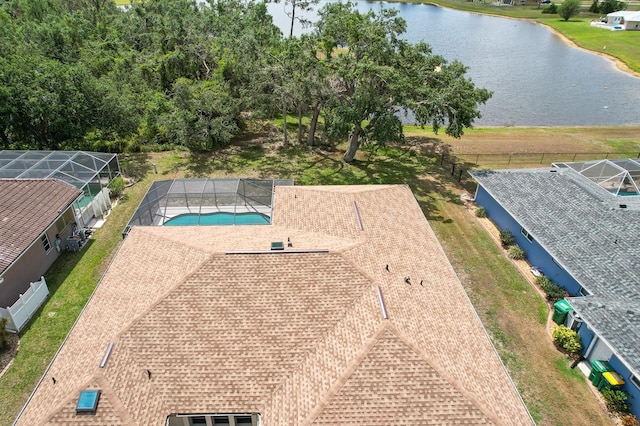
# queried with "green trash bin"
point(597, 368)
point(610, 380)
point(560, 310)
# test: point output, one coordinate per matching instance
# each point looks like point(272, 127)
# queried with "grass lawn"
point(512, 311)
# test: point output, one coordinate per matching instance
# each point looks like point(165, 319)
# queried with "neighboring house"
point(90, 172)
point(32, 212)
point(343, 310)
point(580, 224)
point(628, 20)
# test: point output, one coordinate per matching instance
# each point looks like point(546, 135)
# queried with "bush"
point(116, 186)
point(506, 238)
point(4, 334)
point(551, 10)
point(553, 291)
point(607, 7)
point(629, 420)
point(569, 8)
point(516, 253)
point(616, 400)
point(567, 339)
point(481, 212)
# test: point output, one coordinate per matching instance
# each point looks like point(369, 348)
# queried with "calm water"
point(536, 78)
point(221, 218)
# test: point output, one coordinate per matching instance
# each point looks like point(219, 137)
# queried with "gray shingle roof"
point(596, 242)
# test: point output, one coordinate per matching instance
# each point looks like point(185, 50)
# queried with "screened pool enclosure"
point(90, 172)
point(207, 202)
point(619, 177)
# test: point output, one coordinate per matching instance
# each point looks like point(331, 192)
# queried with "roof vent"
point(88, 401)
point(277, 245)
point(623, 206)
point(553, 171)
point(106, 355)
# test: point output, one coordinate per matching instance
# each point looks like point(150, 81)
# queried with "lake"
point(536, 78)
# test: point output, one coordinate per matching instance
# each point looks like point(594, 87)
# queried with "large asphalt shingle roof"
point(225, 325)
point(586, 232)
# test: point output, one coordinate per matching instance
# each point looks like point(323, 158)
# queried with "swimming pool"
point(219, 218)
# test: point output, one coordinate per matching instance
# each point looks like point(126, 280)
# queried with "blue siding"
point(628, 387)
point(536, 254)
point(586, 336)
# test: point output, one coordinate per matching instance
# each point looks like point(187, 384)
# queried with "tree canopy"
point(84, 74)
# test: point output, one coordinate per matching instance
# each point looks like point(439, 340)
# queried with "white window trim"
point(526, 234)
point(635, 380)
point(45, 242)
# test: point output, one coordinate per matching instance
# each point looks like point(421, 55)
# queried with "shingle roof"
point(27, 208)
point(297, 336)
point(593, 241)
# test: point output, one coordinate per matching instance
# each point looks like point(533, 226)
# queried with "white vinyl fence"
point(21, 312)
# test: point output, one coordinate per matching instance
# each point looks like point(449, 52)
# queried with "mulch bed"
point(7, 355)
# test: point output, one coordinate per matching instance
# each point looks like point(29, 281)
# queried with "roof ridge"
point(365, 322)
point(331, 392)
point(445, 375)
point(161, 298)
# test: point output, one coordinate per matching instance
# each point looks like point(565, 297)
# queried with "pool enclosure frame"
point(167, 199)
point(90, 172)
point(619, 177)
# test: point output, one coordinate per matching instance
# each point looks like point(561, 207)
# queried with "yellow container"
point(613, 378)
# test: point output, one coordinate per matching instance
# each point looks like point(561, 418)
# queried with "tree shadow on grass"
point(135, 166)
point(421, 172)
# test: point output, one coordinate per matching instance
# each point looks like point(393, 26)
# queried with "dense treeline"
point(84, 74)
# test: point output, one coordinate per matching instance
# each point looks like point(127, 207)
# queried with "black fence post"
point(460, 175)
point(442, 159)
point(453, 169)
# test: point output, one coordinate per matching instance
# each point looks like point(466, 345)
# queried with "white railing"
point(21, 312)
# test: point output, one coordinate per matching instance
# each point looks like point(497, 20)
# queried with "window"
point(65, 220)
point(243, 420)
point(198, 420)
point(526, 234)
point(635, 380)
point(45, 243)
point(221, 420)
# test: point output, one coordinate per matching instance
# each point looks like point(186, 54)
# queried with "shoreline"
point(620, 64)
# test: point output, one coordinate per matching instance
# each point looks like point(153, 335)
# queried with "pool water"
point(220, 218)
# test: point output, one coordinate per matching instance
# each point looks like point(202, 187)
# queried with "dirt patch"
point(537, 140)
point(7, 356)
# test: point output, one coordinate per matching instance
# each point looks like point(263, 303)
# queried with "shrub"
point(595, 7)
point(4, 334)
point(551, 10)
point(629, 420)
point(506, 238)
point(616, 400)
point(481, 212)
point(116, 186)
point(553, 291)
point(515, 252)
point(569, 8)
point(567, 339)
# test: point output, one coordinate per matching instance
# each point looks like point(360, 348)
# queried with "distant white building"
point(628, 20)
